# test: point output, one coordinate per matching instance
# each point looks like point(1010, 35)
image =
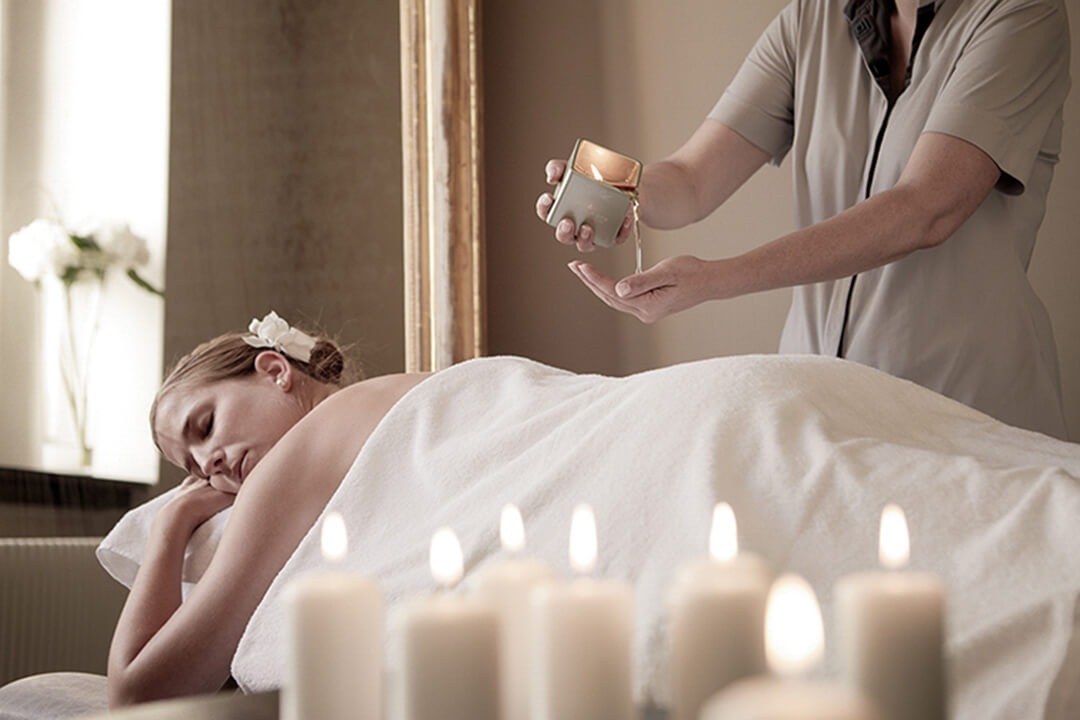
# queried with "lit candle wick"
point(512, 529)
point(583, 540)
point(894, 545)
point(794, 632)
point(723, 539)
point(334, 537)
point(447, 564)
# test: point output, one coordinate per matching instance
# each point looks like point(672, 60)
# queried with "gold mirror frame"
point(441, 129)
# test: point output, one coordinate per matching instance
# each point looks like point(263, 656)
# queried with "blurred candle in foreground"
point(581, 641)
point(716, 614)
point(508, 584)
point(891, 630)
point(794, 644)
point(450, 647)
point(335, 640)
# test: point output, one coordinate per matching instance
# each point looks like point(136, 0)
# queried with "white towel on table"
point(806, 450)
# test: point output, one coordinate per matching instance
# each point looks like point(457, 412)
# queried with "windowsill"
point(29, 487)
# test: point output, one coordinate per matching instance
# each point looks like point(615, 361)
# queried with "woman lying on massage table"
point(806, 449)
point(261, 420)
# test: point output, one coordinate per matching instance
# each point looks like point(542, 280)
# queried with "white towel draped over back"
point(807, 450)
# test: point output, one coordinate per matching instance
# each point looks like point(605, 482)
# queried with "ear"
point(274, 367)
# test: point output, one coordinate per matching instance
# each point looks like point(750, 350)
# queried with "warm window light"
point(723, 539)
point(334, 538)
point(512, 529)
point(894, 547)
point(794, 635)
point(447, 564)
point(583, 539)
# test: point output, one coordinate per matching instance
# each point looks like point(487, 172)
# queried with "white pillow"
point(121, 552)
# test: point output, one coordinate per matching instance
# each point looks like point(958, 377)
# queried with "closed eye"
point(209, 426)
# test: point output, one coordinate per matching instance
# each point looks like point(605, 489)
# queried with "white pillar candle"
point(450, 647)
point(794, 643)
point(891, 630)
point(716, 619)
point(582, 636)
point(335, 640)
point(508, 584)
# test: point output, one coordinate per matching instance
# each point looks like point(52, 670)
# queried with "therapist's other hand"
point(565, 232)
point(672, 285)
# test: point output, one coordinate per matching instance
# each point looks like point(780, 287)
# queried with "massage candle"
point(794, 643)
point(890, 626)
point(508, 584)
point(335, 640)
point(450, 647)
point(716, 619)
point(582, 636)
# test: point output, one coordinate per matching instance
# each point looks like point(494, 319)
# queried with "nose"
point(214, 463)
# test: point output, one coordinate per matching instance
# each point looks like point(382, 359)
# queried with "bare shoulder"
point(369, 400)
point(341, 423)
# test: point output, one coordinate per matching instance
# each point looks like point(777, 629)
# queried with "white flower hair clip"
point(273, 332)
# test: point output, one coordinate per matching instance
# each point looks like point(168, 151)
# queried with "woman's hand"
point(672, 285)
point(195, 502)
point(565, 232)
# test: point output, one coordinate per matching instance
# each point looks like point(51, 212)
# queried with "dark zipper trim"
point(922, 21)
point(869, 184)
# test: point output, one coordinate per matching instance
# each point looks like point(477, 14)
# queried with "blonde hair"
point(229, 356)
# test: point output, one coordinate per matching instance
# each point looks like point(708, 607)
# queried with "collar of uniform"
point(852, 6)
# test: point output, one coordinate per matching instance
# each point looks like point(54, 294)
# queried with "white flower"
point(124, 248)
point(273, 332)
point(42, 247)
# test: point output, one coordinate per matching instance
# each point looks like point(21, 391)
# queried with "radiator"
point(58, 607)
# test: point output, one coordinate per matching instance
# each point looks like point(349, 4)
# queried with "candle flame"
point(794, 634)
point(894, 547)
point(723, 539)
point(583, 539)
point(512, 529)
point(596, 172)
point(447, 565)
point(334, 538)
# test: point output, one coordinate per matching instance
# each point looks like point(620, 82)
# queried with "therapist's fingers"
point(601, 286)
point(543, 205)
point(637, 285)
point(585, 239)
point(554, 170)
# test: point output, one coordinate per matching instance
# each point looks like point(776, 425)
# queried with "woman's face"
point(222, 430)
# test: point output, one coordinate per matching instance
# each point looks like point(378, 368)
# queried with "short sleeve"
point(759, 103)
point(1008, 87)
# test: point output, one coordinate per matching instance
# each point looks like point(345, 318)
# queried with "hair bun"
point(327, 362)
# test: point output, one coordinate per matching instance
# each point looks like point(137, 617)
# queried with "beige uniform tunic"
point(961, 318)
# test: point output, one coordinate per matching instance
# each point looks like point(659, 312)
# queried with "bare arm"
point(680, 189)
point(944, 182)
point(165, 649)
point(697, 178)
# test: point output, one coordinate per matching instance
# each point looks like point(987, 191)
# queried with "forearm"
point(873, 233)
point(141, 662)
point(697, 178)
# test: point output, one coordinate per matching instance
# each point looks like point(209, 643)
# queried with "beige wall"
point(640, 76)
point(285, 173)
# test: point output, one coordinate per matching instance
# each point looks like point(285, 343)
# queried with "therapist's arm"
point(944, 182)
point(679, 190)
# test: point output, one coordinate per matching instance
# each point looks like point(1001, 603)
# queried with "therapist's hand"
point(672, 285)
point(565, 232)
